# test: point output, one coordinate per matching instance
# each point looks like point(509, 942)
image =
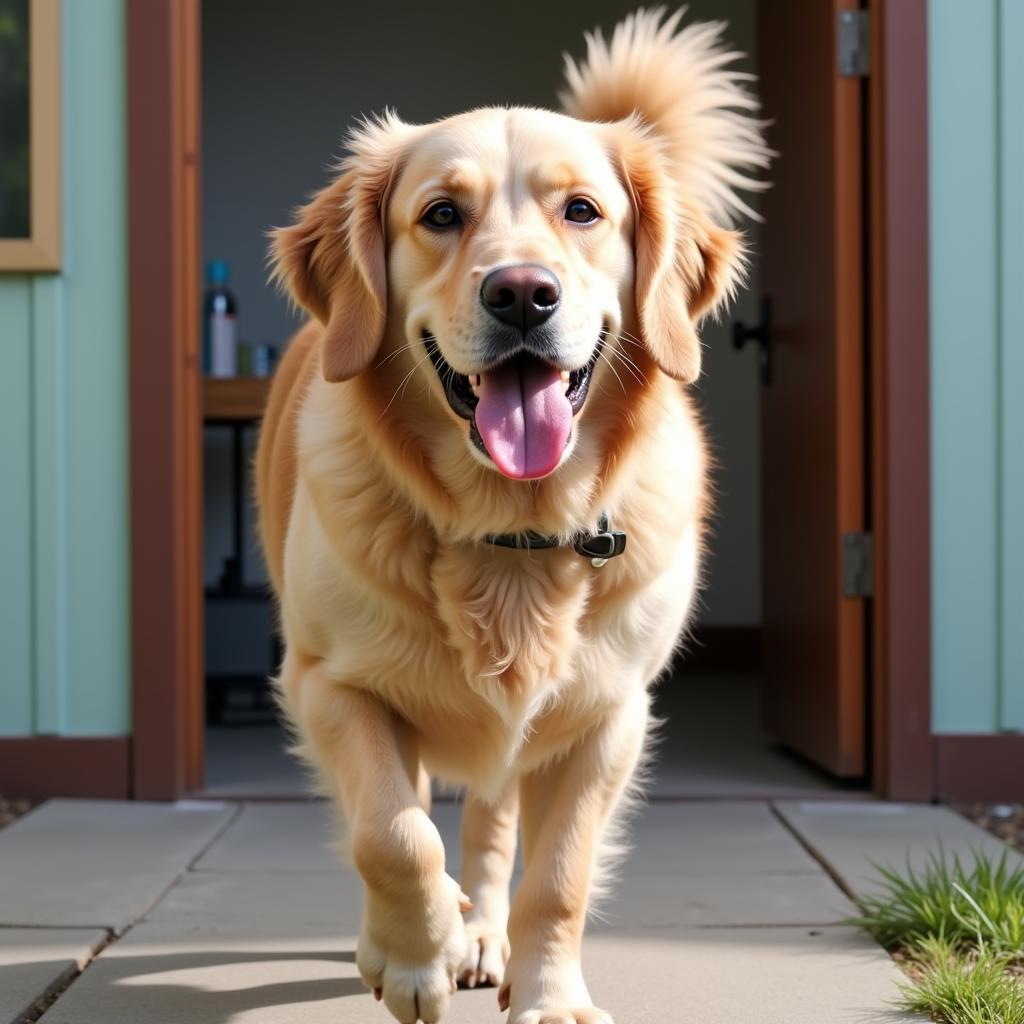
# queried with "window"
point(30, 178)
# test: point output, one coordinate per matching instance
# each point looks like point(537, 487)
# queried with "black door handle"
point(761, 335)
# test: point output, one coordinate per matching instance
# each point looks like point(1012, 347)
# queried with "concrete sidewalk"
point(216, 913)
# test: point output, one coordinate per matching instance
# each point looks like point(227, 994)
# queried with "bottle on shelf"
point(243, 361)
point(264, 358)
point(220, 323)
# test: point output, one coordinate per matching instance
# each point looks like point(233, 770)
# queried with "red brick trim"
point(46, 766)
point(985, 767)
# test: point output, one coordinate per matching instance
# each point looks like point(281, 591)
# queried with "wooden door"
point(813, 446)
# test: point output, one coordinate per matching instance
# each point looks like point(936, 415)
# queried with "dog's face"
point(510, 255)
point(510, 259)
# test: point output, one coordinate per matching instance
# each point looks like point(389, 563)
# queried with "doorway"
point(249, 185)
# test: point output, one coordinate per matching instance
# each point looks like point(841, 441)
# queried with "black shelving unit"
point(236, 413)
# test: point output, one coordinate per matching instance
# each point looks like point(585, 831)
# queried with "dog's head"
point(513, 257)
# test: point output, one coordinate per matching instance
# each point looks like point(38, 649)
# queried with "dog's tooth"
point(565, 376)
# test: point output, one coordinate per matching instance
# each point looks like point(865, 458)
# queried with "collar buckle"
point(601, 546)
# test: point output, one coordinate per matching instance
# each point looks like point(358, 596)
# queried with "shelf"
point(234, 399)
point(249, 592)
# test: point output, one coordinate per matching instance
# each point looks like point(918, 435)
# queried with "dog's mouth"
point(520, 410)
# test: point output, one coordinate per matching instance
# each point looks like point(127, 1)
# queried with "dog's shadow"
point(135, 986)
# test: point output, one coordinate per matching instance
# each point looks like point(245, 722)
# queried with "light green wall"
point(64, 527)
point(977, 325)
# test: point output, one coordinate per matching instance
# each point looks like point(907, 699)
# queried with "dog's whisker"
point(627, 364)
point(404, 381)
point(408, 377)
point(394, 355)
point(631, 339)
point(626, 338)
point(630, 369)
point(611, 366)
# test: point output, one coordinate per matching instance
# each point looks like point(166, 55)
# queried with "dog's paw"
point(487, 953)
point(560, 1015)
point(412, 992)
point(410, 957)
point(543, 995)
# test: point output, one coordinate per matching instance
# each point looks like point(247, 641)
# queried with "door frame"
point(163, 40)
point(164, 66)
point(902, 744)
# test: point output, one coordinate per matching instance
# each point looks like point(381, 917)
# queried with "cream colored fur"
point(413, 646)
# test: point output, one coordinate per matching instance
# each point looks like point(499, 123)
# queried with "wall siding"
point(1011, 153)
point(64, 529)
point(16, 711)
point(977, 368)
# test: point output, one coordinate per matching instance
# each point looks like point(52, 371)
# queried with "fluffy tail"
point(679, 83)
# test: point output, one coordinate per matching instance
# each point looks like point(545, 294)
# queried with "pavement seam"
point(203, 850)
point(238, 809)
point(818, 856)
point(45, 1000)
point(53, 992)
point(832, 873)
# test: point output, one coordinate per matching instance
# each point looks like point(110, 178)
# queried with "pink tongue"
point(524, 417)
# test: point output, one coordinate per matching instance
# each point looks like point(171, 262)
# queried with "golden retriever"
point(490, 394)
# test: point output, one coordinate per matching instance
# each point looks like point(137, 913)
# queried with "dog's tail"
point(679, 83)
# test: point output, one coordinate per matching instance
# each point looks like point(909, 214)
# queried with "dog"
point(482, 492)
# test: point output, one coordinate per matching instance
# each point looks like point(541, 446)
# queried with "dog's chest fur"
point(506, 617)
point(478, 648)
point(496, 657)
point(513, 617)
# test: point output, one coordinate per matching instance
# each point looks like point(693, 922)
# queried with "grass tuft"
point(961, 988)
point(976, 906)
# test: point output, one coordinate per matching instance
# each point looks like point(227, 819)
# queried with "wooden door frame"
point(898, 218)
point(164, 219)
point(163, 39)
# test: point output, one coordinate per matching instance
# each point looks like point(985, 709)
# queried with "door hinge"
point(854, 43)
point(858, 565)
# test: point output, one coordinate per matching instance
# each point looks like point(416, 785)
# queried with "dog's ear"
point(686, 267)
point(332, 260)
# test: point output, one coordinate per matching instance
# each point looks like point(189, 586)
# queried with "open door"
point(813, 401)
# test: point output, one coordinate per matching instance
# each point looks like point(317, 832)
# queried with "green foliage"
point(976, 906)
point(962, 988)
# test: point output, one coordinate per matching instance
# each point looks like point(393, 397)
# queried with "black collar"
point(599, 546)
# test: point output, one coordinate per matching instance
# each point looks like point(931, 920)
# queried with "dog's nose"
point(522, 296)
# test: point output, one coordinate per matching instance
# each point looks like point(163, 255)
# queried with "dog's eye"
point(581, 211)
point(442, 215)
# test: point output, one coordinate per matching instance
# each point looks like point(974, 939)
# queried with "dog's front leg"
point(565, 810)
point(488, 858)
point(412, 940)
